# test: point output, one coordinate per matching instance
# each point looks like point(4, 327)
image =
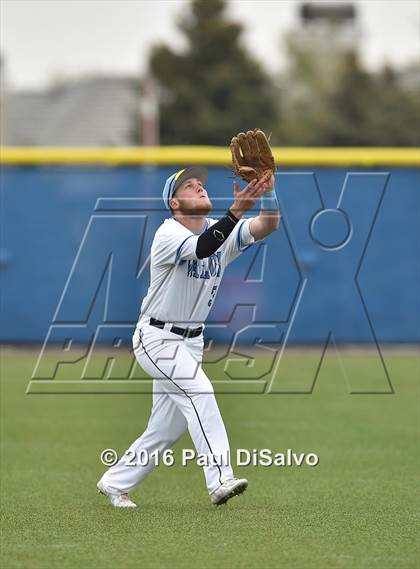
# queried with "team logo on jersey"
point(205, 268)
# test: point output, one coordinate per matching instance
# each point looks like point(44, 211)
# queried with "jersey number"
point(212, 295)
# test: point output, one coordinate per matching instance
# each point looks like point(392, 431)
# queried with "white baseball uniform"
point(181, 293)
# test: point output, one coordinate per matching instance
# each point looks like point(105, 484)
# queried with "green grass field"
point(356, 509)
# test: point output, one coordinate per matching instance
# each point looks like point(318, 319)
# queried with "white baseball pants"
point(183, 398)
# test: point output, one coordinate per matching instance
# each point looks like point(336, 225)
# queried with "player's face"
point(191, 198)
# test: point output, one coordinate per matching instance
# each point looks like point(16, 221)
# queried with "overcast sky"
point(41, 39)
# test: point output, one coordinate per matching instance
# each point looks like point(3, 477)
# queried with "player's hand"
point(269, 186)
point(246, 199)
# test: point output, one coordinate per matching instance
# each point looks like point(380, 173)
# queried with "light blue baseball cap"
point(175, 180)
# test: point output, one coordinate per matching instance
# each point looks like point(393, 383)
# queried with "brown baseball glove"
point(251, 155)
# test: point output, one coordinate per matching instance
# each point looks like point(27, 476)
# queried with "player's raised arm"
point(212, 239)
point(268, 219)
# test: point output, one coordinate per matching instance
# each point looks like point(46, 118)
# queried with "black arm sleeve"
point(214, 237)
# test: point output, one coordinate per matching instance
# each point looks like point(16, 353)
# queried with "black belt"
point(184, 332)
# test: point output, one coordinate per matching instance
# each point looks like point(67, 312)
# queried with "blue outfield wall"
point(75, 243)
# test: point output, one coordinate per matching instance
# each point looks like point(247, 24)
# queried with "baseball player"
point(188, 258)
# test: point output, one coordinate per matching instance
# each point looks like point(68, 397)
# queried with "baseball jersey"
point(182, 287)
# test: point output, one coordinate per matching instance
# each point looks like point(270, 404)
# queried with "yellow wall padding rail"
point(207, 155)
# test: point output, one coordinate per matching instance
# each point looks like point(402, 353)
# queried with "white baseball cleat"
point(228, 490)
point(117, 500)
